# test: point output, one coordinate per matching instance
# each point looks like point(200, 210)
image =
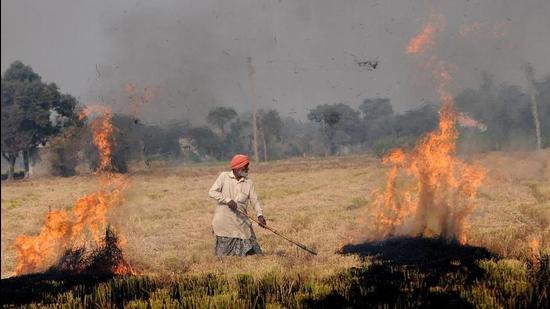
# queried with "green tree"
point(415, 122)
point(21, 72)
point(28, 105)
point(220, 116)
point(206, 141)
point(64, 148)
point(163, 142)
point(504, 109)
point(378, 120)
point(239, 137)
point(339, 122)
point(376, 108)
point(270, 125)
point(299, 138)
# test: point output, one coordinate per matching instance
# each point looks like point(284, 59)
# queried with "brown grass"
point(166, 217)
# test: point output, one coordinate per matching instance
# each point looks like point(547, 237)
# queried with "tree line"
point(36, 114)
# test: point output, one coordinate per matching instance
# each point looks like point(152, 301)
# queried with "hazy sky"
point(305, 52)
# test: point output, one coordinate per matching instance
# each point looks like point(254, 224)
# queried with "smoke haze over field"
point(305, 53)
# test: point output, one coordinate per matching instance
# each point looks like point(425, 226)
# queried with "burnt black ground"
point(411, 272)
point(419, 251)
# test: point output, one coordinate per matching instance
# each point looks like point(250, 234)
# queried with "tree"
point(376, 108)
point(270, 126)
point(504, 109)
point(65, 145)
point(543, 99)
point(21, 72)
point(415, 122)
point(64, 149)
point(206, 141)
point(163, 142)
point(532, 91)
point(239, 139)
point(339, 123)
point(127, 142)
point(220, 116)
point(301, 138)
point(378, 120)
point(27, 108)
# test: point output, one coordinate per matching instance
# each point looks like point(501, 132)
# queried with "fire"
point(429, 191)
point(534, 251)
point(84, 225)
point(440, 198)
point(137, 100)
point(425, 38)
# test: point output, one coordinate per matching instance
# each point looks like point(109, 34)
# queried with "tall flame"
point(87, 220)
point(429, 191)
point(425, 38)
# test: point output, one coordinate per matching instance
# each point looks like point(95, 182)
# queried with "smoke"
point(197, 60)
point(495, 37)
point(305, 53)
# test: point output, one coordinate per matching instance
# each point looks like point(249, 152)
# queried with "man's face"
point(242, 172)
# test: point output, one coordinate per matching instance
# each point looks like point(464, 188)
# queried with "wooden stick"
point(302, 246)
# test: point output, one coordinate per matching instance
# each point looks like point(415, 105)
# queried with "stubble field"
point(166, 219)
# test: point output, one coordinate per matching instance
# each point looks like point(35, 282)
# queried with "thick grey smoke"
point(306, 52)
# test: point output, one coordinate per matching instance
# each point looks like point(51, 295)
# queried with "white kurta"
point(226, 222)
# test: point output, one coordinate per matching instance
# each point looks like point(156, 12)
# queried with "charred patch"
point(416, 270)
point(107, 259)
point(419, 251)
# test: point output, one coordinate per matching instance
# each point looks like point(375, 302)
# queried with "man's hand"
point(262, 222)
point(232, 205)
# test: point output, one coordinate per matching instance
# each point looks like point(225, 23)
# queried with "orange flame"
point(534, 254)
point(102, 129)
point(425, 38)
point(88, 218)
point(439, 201)
point(429, 191)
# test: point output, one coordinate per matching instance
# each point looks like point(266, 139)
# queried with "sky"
point(304, 52)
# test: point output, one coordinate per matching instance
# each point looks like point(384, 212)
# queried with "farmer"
point(234, 191)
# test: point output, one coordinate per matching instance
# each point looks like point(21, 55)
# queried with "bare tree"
point(251, 73)
point(532, 91)
point(270, 126)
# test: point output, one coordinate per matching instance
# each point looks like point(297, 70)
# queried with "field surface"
point(166, 218)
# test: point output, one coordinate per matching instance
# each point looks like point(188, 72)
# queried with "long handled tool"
point(279, 234)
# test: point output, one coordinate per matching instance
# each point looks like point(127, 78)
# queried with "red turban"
point(239, 161)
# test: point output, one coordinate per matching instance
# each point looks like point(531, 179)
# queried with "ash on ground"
point(107, 259)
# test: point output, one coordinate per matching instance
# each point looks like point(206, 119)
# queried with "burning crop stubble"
point(171, 237)
point(439, 197)
point(74, 233)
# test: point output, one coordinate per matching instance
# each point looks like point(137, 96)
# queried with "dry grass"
point(166, 218)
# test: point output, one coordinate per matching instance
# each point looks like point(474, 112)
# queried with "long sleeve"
point(216, 191)
point(254, 201)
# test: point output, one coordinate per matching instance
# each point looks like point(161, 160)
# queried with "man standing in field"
point(234, 191)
